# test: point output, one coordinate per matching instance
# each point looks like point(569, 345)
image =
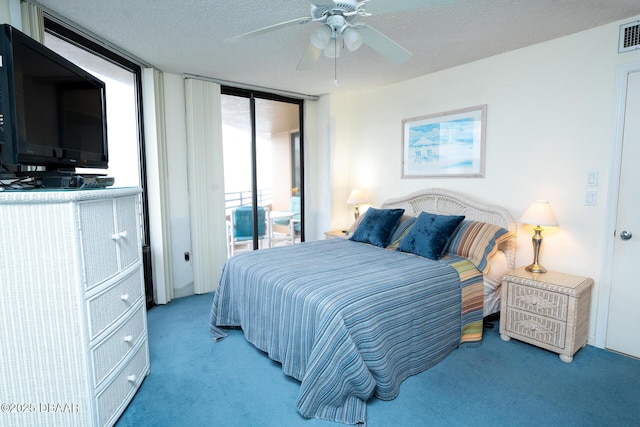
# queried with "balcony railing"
point(236, 199)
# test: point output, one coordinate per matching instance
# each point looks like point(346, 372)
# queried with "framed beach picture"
point(445, 145)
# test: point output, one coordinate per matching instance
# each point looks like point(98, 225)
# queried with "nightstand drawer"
point(538, 301)
point(539, 329)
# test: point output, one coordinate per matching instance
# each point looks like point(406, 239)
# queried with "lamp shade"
point(357, 197)
point(333, 49)
point(539, 213)
point(321, 37)
point(352, 38)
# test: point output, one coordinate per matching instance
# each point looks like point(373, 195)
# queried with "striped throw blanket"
point(348, 320)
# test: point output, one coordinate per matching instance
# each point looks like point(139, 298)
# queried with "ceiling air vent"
point(629, 37)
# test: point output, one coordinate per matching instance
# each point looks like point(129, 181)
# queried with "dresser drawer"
point(116, 396)
point(539, 329)
point(105, 308)
point(538, 301)
point(109, 353)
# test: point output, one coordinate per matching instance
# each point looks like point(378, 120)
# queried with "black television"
point(52, 112)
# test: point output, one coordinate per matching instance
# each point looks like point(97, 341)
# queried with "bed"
point(352, 318)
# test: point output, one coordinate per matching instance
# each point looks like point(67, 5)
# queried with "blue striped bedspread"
point(348, 320)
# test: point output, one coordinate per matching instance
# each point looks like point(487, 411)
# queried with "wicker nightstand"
point(549, 310)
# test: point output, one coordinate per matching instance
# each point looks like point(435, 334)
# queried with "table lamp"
point(538, 214)
point(357, 197)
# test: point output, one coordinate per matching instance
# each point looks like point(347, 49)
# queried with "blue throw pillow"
point(430, 234)
point(377, 226)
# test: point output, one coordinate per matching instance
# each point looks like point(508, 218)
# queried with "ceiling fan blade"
point(384, 45)
point(309, 58)
point(379, 7)
point(270, 28)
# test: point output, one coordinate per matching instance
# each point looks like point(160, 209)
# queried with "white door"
point(624, 315)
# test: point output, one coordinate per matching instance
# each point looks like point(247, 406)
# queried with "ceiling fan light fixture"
point(332, 50)
point(321, 37)
point(352, 38)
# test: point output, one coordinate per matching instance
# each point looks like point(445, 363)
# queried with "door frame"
point(606, 277)
point(252, 95)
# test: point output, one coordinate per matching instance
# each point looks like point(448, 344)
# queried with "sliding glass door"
point(263, 169)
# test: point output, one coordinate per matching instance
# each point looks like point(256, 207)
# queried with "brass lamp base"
point(535, 268)
point(537, 242)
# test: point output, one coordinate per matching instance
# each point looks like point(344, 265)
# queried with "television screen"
point(53, 112)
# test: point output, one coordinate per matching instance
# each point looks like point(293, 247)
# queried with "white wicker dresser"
point(72, 307)
point(549, 310)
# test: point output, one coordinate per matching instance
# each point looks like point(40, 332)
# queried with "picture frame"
point(445, 145)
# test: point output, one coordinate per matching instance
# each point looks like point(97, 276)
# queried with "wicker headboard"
point(447, 202)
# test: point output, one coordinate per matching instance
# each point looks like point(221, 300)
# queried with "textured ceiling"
point(187, 36)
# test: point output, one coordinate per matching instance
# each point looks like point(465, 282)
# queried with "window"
point(124, 114)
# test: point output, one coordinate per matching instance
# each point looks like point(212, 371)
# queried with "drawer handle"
point(533, 326)
point(128, 338)
point(531, 300)
point(131, 378)
point(124, 297)
point(118, 236)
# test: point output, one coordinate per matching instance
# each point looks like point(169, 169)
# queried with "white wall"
point(10, 13)
point(549, 121)
point(317, 168)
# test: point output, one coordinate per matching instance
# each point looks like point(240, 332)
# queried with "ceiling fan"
point(340, 27)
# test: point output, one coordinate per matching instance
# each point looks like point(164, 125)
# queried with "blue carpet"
point(197, 382)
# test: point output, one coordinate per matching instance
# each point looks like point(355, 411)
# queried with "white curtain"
point(157, 184)
point(206, 183)
point(32, 21)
